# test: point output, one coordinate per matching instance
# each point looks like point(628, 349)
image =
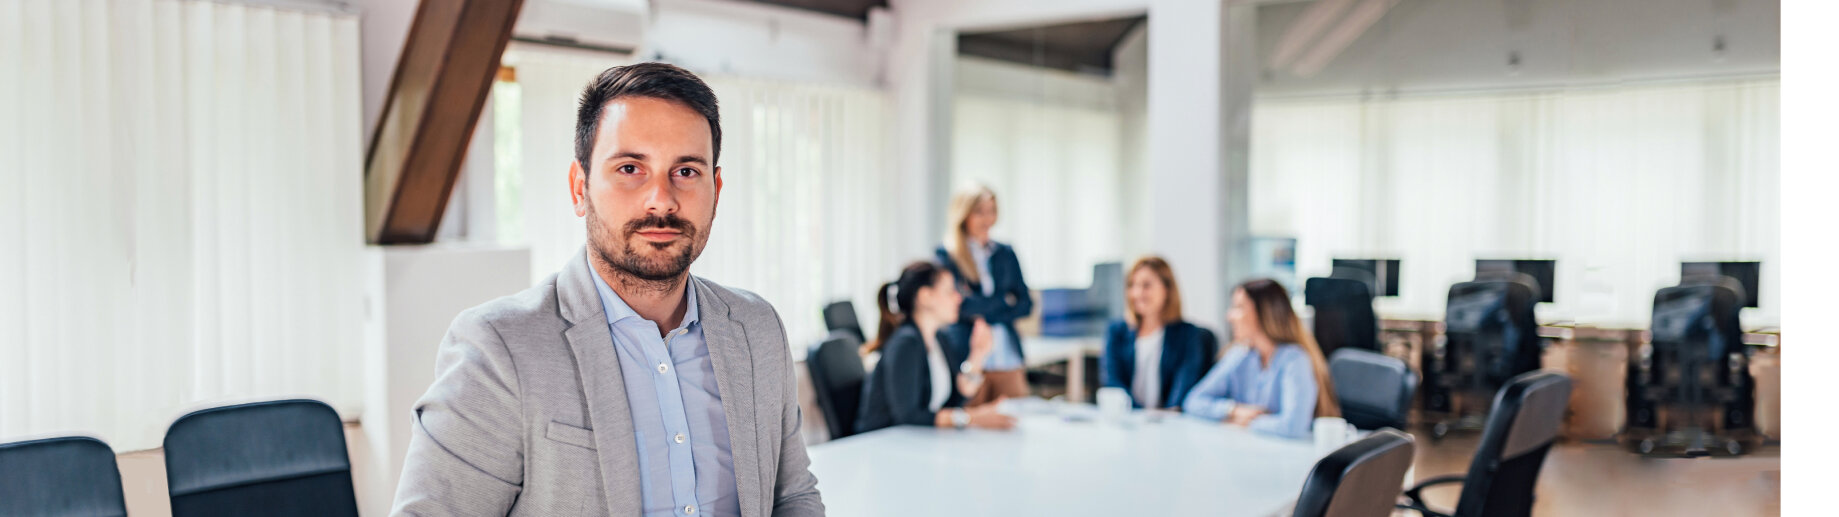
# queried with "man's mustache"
point(668, 222)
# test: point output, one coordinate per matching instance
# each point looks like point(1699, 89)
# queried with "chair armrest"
point(1422, 510)
point(1415, 492)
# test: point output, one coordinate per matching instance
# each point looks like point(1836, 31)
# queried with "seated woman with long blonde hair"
point(1276, 380)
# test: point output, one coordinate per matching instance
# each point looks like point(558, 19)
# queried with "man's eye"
point(628, 169)
point(686, 172)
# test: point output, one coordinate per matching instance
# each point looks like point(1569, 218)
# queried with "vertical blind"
point(1054, 168)
point(807, 182)
point(1619, 184)
point(180, 212)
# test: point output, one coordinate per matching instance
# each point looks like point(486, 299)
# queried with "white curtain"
point(549, 87)
point(1619, 184)
point(806, 179)
point(804, 216)
point(180, 212)
point(1054, 168)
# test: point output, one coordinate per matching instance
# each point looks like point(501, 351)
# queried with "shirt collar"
point(985, 247)
point(617, 310)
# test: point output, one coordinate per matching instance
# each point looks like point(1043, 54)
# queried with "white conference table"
point(1052, 466)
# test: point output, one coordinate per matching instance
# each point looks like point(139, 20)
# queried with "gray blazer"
point(528, 413)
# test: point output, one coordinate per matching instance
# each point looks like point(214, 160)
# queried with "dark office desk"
point(1596, 358)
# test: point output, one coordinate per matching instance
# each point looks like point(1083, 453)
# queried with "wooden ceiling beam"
point(435, 99)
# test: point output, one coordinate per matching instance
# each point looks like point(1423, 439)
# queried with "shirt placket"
point(676, 423)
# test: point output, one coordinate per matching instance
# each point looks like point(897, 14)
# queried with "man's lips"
point(660, 234)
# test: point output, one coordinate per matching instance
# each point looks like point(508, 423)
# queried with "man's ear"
point(577, 187)
point(718, 183)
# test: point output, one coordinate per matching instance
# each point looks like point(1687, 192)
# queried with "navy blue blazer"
point(900, 388)
point(1010, 300)
point(1187, 352)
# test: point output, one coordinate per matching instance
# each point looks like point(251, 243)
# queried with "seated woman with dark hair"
point(919, 380)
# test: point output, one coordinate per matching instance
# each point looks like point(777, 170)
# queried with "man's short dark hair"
point(654, 80)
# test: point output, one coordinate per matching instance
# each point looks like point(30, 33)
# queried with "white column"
point(1201, 69)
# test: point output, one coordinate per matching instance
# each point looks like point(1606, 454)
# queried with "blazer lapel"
point(1174, 336)
point(1127, 357)
point(603, 386)
point(733, 363)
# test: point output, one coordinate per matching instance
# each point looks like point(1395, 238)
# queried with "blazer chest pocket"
point(571, 435)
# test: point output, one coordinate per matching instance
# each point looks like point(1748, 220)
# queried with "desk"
point(1044, 350)
point(1049, 466)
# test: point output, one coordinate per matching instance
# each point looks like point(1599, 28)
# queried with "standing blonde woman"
point(1276, 381)
point(991, 279)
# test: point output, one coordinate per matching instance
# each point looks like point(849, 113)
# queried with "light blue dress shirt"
point(686, 467)
point(1286, 390)
point(1002, 357)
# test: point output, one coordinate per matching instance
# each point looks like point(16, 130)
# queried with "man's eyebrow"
point(626, 154)
point(688, 158)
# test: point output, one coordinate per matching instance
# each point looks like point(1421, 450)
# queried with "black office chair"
point(1359, 480)
point(1343, 313)
point(1520, 432)
point(67, 475)
point(1490, 335)
point(836, 377)
point(1696, 369)
point(280, 458)
point(1374, 390)
point(841, 315)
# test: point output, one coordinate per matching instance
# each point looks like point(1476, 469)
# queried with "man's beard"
point(633, 269)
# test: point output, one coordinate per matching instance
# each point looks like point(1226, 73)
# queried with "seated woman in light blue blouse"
point(1276, 380)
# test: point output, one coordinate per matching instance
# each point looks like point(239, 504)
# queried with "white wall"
point(1464, 44)
point(734, 38)
point(1002, 79)
point(413, 299)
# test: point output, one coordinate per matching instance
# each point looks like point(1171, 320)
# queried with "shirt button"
point(689, 509)
point(663, 367)
point(679, 438)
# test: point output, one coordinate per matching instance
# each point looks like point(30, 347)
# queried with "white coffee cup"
point(1113, 404)
point(1330, 434)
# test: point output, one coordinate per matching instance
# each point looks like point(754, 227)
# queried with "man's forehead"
point(653, 122)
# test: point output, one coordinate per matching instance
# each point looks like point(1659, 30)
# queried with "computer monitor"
point(1108, 288)
point(1542, 272)
point(1747, 273)
point(1381, 274)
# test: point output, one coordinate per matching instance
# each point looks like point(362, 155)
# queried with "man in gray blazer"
point(621, 385)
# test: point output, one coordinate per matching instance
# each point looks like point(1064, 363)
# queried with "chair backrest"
point(836, 377)
point(67, 475)
point(1520, 431)
point(1343, 313)
point(279, 458)
point(1361, 479)
point(1696, 337)
point(1495, 318)
point(1699, 321)
point(1374, 389)
point(842, 316)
